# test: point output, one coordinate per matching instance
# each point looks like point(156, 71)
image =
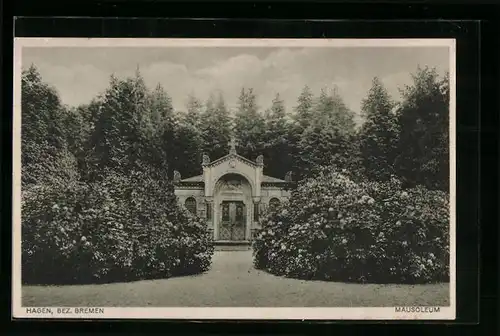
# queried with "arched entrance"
point(232, 210)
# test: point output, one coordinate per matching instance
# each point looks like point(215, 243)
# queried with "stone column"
point(209, 214)
point(249, 220)
point(258, 175)
point(256, 205)
point(201, 209)
point(217, 207)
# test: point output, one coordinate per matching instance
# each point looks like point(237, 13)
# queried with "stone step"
point(232, 245)
point(232, 248)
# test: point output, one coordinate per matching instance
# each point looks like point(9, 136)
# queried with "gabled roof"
point(265, 179)
point(232, 155)
point(197, 178)
point(270, 179)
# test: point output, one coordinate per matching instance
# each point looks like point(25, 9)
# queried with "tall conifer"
point(379, 133)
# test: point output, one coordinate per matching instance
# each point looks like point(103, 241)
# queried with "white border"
point(337, 313)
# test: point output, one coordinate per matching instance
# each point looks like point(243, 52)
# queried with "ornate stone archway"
point(232, 207)
point(235, 183)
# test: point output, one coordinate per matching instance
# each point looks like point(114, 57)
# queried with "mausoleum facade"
point(231, 195)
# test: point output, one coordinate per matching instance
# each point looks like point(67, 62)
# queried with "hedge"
point(336, 229)
point(119, 229)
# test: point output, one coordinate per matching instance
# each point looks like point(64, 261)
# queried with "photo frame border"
point(467, 125)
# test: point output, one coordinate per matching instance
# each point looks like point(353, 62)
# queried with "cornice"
point(189, 185)
point(282, 185)
point(229, 157)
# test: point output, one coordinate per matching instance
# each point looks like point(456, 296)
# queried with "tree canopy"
point(130, 127)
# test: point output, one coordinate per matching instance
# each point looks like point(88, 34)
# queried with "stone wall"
point(197, 194)
point(268, 193)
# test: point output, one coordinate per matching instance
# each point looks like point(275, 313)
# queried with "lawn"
point(232, 281)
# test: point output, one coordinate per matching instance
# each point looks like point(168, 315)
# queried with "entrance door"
point(233, 219)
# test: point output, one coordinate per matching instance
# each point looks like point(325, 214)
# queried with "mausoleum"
point(231, 194)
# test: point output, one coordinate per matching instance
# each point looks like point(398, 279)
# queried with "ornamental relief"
point(231, 181)
point(231, 185)
point(233, 158)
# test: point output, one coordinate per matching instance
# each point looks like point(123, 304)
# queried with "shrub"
point(333, 228)
point(119, 229)
point(42, 163)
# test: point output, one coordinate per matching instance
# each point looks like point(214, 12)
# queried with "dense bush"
point(47, 165)
point(122, 228)
point(335, 229)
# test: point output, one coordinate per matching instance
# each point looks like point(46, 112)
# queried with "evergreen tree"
point(343, 116)
point(277, 146)
point(300, 121)
point(323, 106)
point(216, 127)
point(45, 156)
point(42, 108)
point(164, 128)
point(354, 158)
point(123, 133)
point(249, 126)
point(78, 127)
point(423, 119)
point(86, 115)
point(318, 146)
point(303, 110)
point(328, 138)
point(379, 134)
point(127, 208)
point(188, 139)
point(194, 112)
point(162, 111)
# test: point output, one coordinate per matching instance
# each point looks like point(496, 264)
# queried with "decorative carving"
point(232, 185)
point(232, 146)
point(288, 176)
point(260, 160)
point(233, 221)
point(206, 159)
point(177, 176)
point(232, 163)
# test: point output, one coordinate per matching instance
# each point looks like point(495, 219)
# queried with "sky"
point(80, 73)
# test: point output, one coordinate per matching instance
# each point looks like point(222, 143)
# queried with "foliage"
point(129, 124)
point(120, 220)
point(303, 110)
point(122, 133)
point(276, 149)
point(189, 140)
point(328, 138)
point(216, 127)
point(118, 229)
point(335, 229)
point(301, 118)
point(45, 155)
point(423, 117)
point(164, 124)
point(249, 126)
point(100, 171)
point(379, 133)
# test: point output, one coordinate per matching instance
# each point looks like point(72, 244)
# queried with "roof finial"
point(232, 146)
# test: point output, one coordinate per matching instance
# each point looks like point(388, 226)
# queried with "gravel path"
point(232, 281)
